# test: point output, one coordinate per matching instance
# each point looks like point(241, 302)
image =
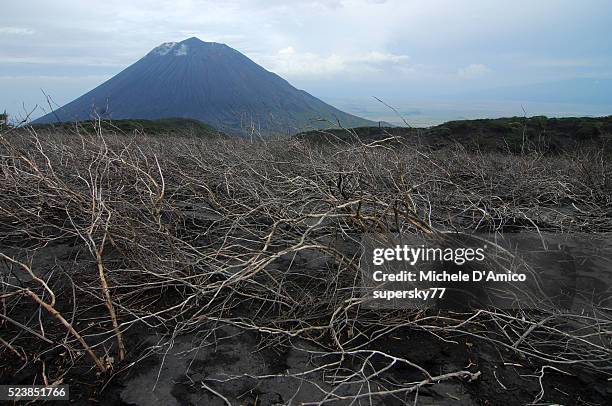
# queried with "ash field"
point(195, 268)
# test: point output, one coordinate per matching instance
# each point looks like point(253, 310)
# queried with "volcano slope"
point(179, 270)
point(209, 82)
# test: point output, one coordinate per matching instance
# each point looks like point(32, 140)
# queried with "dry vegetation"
point(182, 235)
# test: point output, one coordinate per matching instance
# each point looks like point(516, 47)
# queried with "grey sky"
point(335, 49)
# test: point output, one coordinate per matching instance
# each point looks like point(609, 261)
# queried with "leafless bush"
point(179, 234)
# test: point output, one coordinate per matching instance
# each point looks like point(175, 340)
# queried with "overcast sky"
point(331, 48)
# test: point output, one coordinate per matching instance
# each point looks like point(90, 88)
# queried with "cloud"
point(560, 63)
point(383, 58)
point(288, 61)
point(16, 31)
point(96, 61)
point(100, 78)
point(473, 70)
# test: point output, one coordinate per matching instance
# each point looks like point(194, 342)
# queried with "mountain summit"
point(209, 82)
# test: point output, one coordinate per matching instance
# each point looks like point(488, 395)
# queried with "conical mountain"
point(209, 82)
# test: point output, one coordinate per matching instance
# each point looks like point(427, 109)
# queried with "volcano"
point(209, 82)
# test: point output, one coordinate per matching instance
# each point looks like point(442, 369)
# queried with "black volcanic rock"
point(209, 82)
